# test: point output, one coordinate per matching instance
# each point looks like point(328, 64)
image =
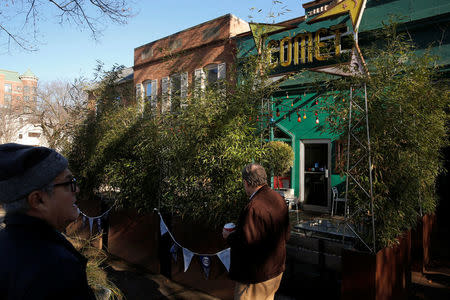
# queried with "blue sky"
point(67, 53)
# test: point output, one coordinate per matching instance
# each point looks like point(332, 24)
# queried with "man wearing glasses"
point(38, 193)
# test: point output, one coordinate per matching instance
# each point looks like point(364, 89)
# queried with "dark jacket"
point(258, 245)
point(37, 262)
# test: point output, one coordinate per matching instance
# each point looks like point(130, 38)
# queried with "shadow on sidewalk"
point(137, 283)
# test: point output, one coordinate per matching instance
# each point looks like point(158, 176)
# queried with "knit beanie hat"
point(24, 169)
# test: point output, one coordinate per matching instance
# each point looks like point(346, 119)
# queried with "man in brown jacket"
point(258, 244)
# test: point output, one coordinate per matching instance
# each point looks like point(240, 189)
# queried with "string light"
point(287, 95)
point(278, 112)
point(317, 120)
point(304, 115)
point(299, 118)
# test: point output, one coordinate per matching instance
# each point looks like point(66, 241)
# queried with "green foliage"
point(278, 157)
point(187, 161)
point(407, 122)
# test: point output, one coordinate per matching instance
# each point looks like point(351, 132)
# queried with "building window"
point(18, 98)
point(175, 85)
point(150, 92)
point(211, 73)
point(34, 134)
point(7, 100)
point(26, 98)
point(26, 89)
point(8, 88)
point(34, 90)
point(20, 136)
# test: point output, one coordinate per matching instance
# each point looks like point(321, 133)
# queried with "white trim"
point(302, 175)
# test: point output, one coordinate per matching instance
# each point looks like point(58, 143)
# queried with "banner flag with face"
point(224, 257)
point(205, 261)
point(162, 226)
point(187, 255)
point(173, 251)
point(91, 222)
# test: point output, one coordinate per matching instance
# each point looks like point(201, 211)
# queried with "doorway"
point(315, 174)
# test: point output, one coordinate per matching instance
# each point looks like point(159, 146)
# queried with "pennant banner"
point(91, 219)
point(205, 261)
point(91, 222)
point(162, 227)
point(99, 224)
point(173, 251)
point(187, 258)
point(224, 257)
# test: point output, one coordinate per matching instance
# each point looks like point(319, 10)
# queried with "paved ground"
point(137, 283)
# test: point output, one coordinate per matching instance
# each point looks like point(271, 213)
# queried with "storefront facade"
point(314, 46)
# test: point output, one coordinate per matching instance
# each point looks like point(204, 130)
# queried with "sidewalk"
point(137, 283)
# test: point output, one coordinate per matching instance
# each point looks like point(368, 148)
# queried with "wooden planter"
point(420, 243)
point(384, 275)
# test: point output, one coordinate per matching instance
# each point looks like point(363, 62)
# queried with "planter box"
point(420, 243)
point(384, 275)
point(135, 238)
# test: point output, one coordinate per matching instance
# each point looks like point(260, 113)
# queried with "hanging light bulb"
point(278, 112)
point(287, 95)
point(315, 113)
point(304, 115)
point(257, 118)
point(343, 99)
point(317, 120)
point(317, 101)
point(299, 119)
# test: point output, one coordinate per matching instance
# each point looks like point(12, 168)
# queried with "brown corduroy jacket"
point(258, 245)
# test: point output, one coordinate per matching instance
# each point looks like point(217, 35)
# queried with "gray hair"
point(21, 205)
point(254, 175)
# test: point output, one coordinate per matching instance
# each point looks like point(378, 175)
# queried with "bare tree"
point(8, 123)
point(20, 19)
point(61, 108)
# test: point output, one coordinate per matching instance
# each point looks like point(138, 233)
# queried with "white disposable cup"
point(229, 227)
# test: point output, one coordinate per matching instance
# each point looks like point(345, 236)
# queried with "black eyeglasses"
point(73, 184)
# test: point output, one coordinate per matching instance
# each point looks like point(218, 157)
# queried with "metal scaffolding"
point(358, 114)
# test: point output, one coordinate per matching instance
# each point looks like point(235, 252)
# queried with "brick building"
point(170, 66)
point(18, 95)
point(17, 90)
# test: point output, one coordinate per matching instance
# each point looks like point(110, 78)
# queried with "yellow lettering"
point(302, 38)
point(288, 60)
point(310, 47)
point(337, 42)
point(319, 44)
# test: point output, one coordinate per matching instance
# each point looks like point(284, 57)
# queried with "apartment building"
point(199, 55)
point(17, 89)
point(18, 95)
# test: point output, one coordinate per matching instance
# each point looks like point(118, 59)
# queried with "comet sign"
point(354, 8)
